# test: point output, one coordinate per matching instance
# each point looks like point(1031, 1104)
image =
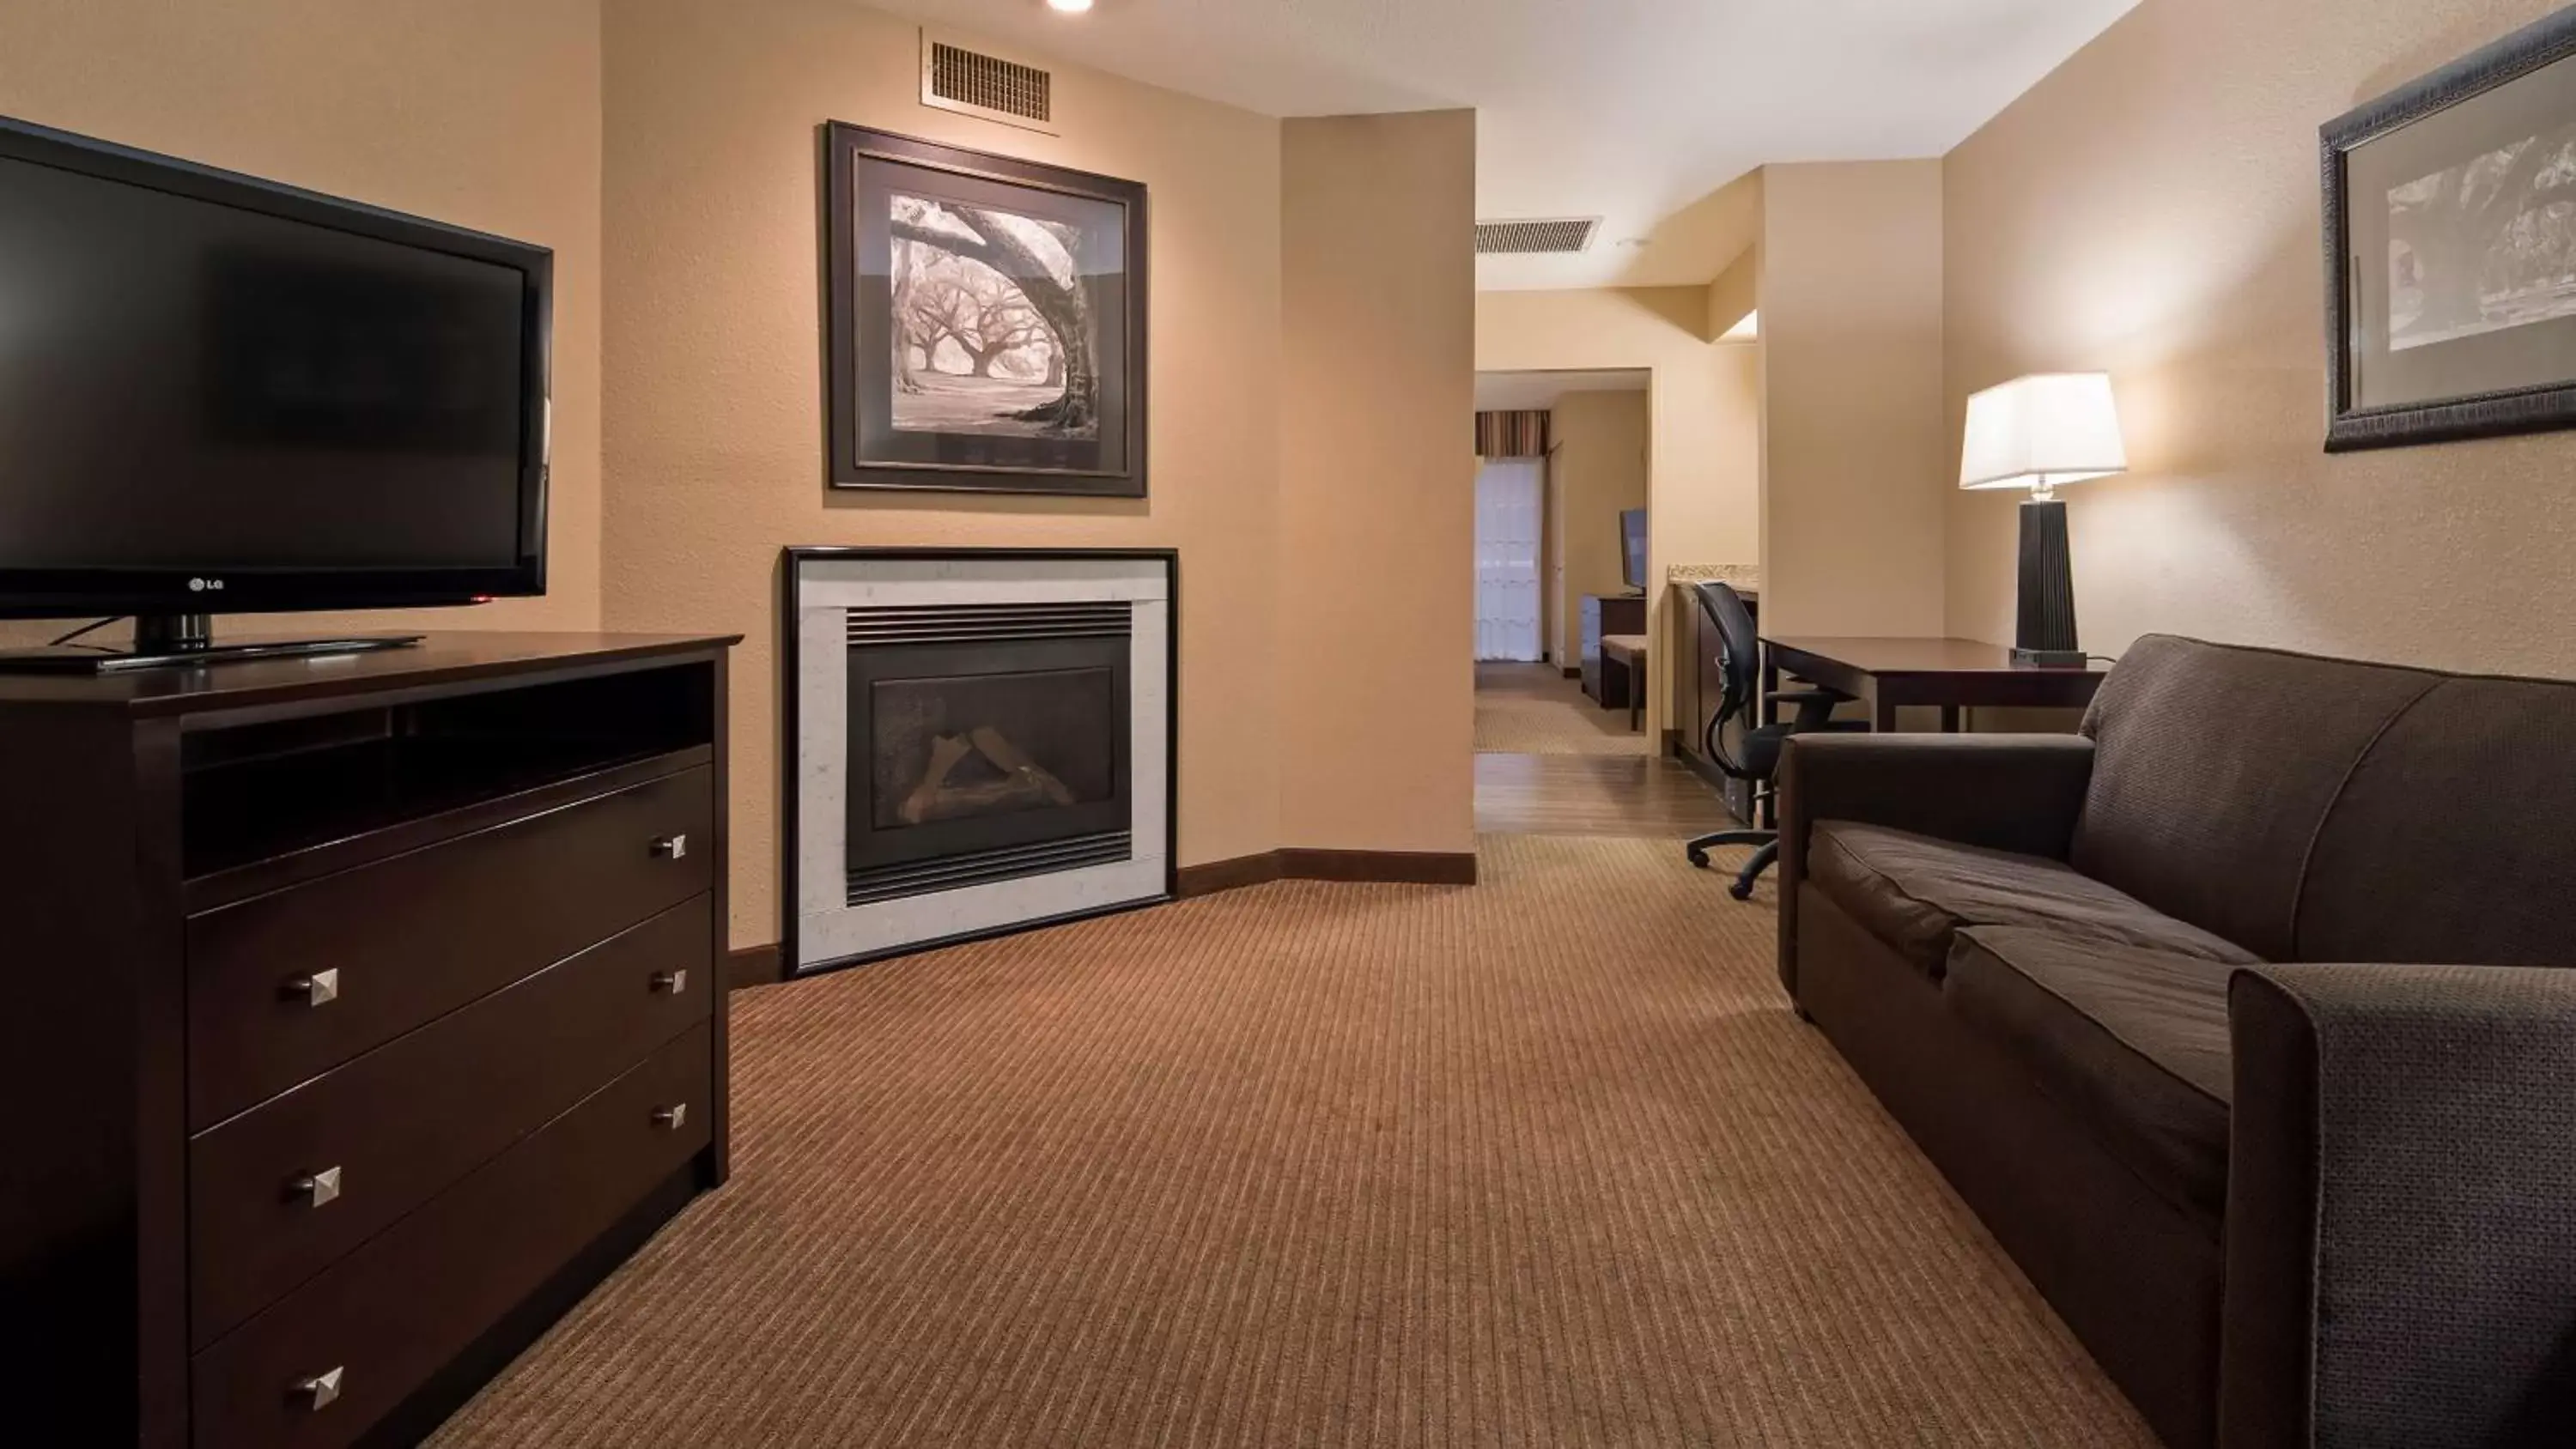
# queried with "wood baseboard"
point(754, 966)
point(761, 965)
point(1395, 867)
point(1209, 877)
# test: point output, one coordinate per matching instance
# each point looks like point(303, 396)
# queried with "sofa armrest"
point(2008, 792)
point(2401, 1207)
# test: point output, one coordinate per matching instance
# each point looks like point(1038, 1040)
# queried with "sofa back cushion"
point(2214, 769)
point(2455, 841)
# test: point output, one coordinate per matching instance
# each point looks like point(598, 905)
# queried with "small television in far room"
point(221, 395)
point(1632, 547)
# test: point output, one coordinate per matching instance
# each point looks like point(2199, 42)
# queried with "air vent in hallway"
point(972, 83)
point(1553, 236)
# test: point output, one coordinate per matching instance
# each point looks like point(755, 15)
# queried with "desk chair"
point(1739, 665)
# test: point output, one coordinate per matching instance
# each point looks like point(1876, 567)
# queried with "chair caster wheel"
point(1698, 857)
point(1742, 890)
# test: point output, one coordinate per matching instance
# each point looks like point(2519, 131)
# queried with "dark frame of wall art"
point(984, 319)
point(2450, 246)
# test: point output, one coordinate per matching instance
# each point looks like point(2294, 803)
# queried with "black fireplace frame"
point(790, 725)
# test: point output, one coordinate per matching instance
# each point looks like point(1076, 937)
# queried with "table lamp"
point(2038, 432)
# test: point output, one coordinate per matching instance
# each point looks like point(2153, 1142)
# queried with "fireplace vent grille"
point(972, 623)
point(954, 872)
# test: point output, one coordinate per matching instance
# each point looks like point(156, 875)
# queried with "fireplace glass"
point(993, 755)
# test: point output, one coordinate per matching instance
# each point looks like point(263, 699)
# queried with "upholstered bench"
point(1627, 653)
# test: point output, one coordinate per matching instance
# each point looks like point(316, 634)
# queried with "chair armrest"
point(2401, 1207)
point(2010, 792)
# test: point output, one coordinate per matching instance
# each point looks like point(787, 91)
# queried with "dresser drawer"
point(277, 1193)
point(421, 934)
point(377, 1324)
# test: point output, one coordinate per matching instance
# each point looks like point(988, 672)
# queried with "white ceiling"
point(1638, 111)
point(1518, 391)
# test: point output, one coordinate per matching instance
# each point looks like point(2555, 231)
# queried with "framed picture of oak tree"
point(2450, 219)
point(986, 321)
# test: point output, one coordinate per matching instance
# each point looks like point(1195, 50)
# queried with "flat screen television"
point(223, 395)
point(1632, 546)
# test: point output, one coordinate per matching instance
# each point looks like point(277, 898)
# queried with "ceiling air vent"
point(1553, 237)
point(972, 83)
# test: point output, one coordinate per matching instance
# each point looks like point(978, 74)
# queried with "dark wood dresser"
point(1608, 614)
point(361, 1014)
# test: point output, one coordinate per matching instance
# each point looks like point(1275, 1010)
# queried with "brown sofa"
point(2222, 1016)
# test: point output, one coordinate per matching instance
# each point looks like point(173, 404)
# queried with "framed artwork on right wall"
point(2450, 229)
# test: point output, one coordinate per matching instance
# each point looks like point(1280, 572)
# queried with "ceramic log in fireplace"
point(981, 742)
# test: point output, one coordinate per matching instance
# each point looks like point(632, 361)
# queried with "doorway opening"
point(1559, 750)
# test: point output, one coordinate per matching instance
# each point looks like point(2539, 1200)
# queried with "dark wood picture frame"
point(2351, 424)
point(864, 449)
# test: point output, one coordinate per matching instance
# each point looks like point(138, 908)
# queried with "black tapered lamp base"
point(2045, 636)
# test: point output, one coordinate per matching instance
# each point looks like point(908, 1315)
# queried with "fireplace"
point(981, 742)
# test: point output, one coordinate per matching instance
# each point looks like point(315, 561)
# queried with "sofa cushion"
point(2132, 1042)
point(2452, 842)
point(1914, 892)
point(2213, 768)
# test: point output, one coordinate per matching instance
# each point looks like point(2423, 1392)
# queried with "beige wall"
point(1377, 483)
point(484, 113)
point(2152, 209)
point(1703, 406)
point(715, 405)
point(1853, 490)
point(1597, 468)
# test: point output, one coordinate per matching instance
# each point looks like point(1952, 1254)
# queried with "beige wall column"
point(1853, 481)
point(1377, 483)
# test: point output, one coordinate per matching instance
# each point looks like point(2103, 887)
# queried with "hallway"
point(1551, 762)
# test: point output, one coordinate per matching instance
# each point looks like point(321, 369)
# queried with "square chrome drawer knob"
point(321, 1187)
point(671, 847)
point(671, 1118)
point(671, 983)
point(319, 989)
point(322, 1390)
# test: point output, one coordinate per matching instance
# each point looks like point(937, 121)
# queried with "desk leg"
point(1882, 715)
point(1949, 719)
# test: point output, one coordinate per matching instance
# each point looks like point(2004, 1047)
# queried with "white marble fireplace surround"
point(829, 930)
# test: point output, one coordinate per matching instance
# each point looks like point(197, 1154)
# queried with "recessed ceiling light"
point(1069, 7)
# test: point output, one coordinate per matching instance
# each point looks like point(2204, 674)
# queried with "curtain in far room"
point(1511, 502)
point(1508, 499)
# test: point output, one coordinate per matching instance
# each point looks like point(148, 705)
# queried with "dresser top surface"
point(440, 659)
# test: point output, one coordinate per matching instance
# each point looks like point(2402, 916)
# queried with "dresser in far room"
point(363, 1013)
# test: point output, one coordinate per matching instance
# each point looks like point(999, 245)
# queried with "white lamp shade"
point(2048, 428)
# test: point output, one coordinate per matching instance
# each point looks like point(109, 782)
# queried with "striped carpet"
point(1543, 1162)
point(1533, 709)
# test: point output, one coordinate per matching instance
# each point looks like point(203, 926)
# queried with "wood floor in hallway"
point(1551, 762)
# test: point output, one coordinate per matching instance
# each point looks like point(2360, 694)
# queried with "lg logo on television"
point(205, 586)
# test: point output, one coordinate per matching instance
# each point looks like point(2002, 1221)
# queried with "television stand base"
point(72, 659)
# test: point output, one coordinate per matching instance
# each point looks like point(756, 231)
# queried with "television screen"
point(308, 402)
point(1632, 546)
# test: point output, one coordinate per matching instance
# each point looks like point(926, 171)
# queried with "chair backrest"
point(1739, 649)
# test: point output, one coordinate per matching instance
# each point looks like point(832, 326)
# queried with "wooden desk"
point(1950, 674)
